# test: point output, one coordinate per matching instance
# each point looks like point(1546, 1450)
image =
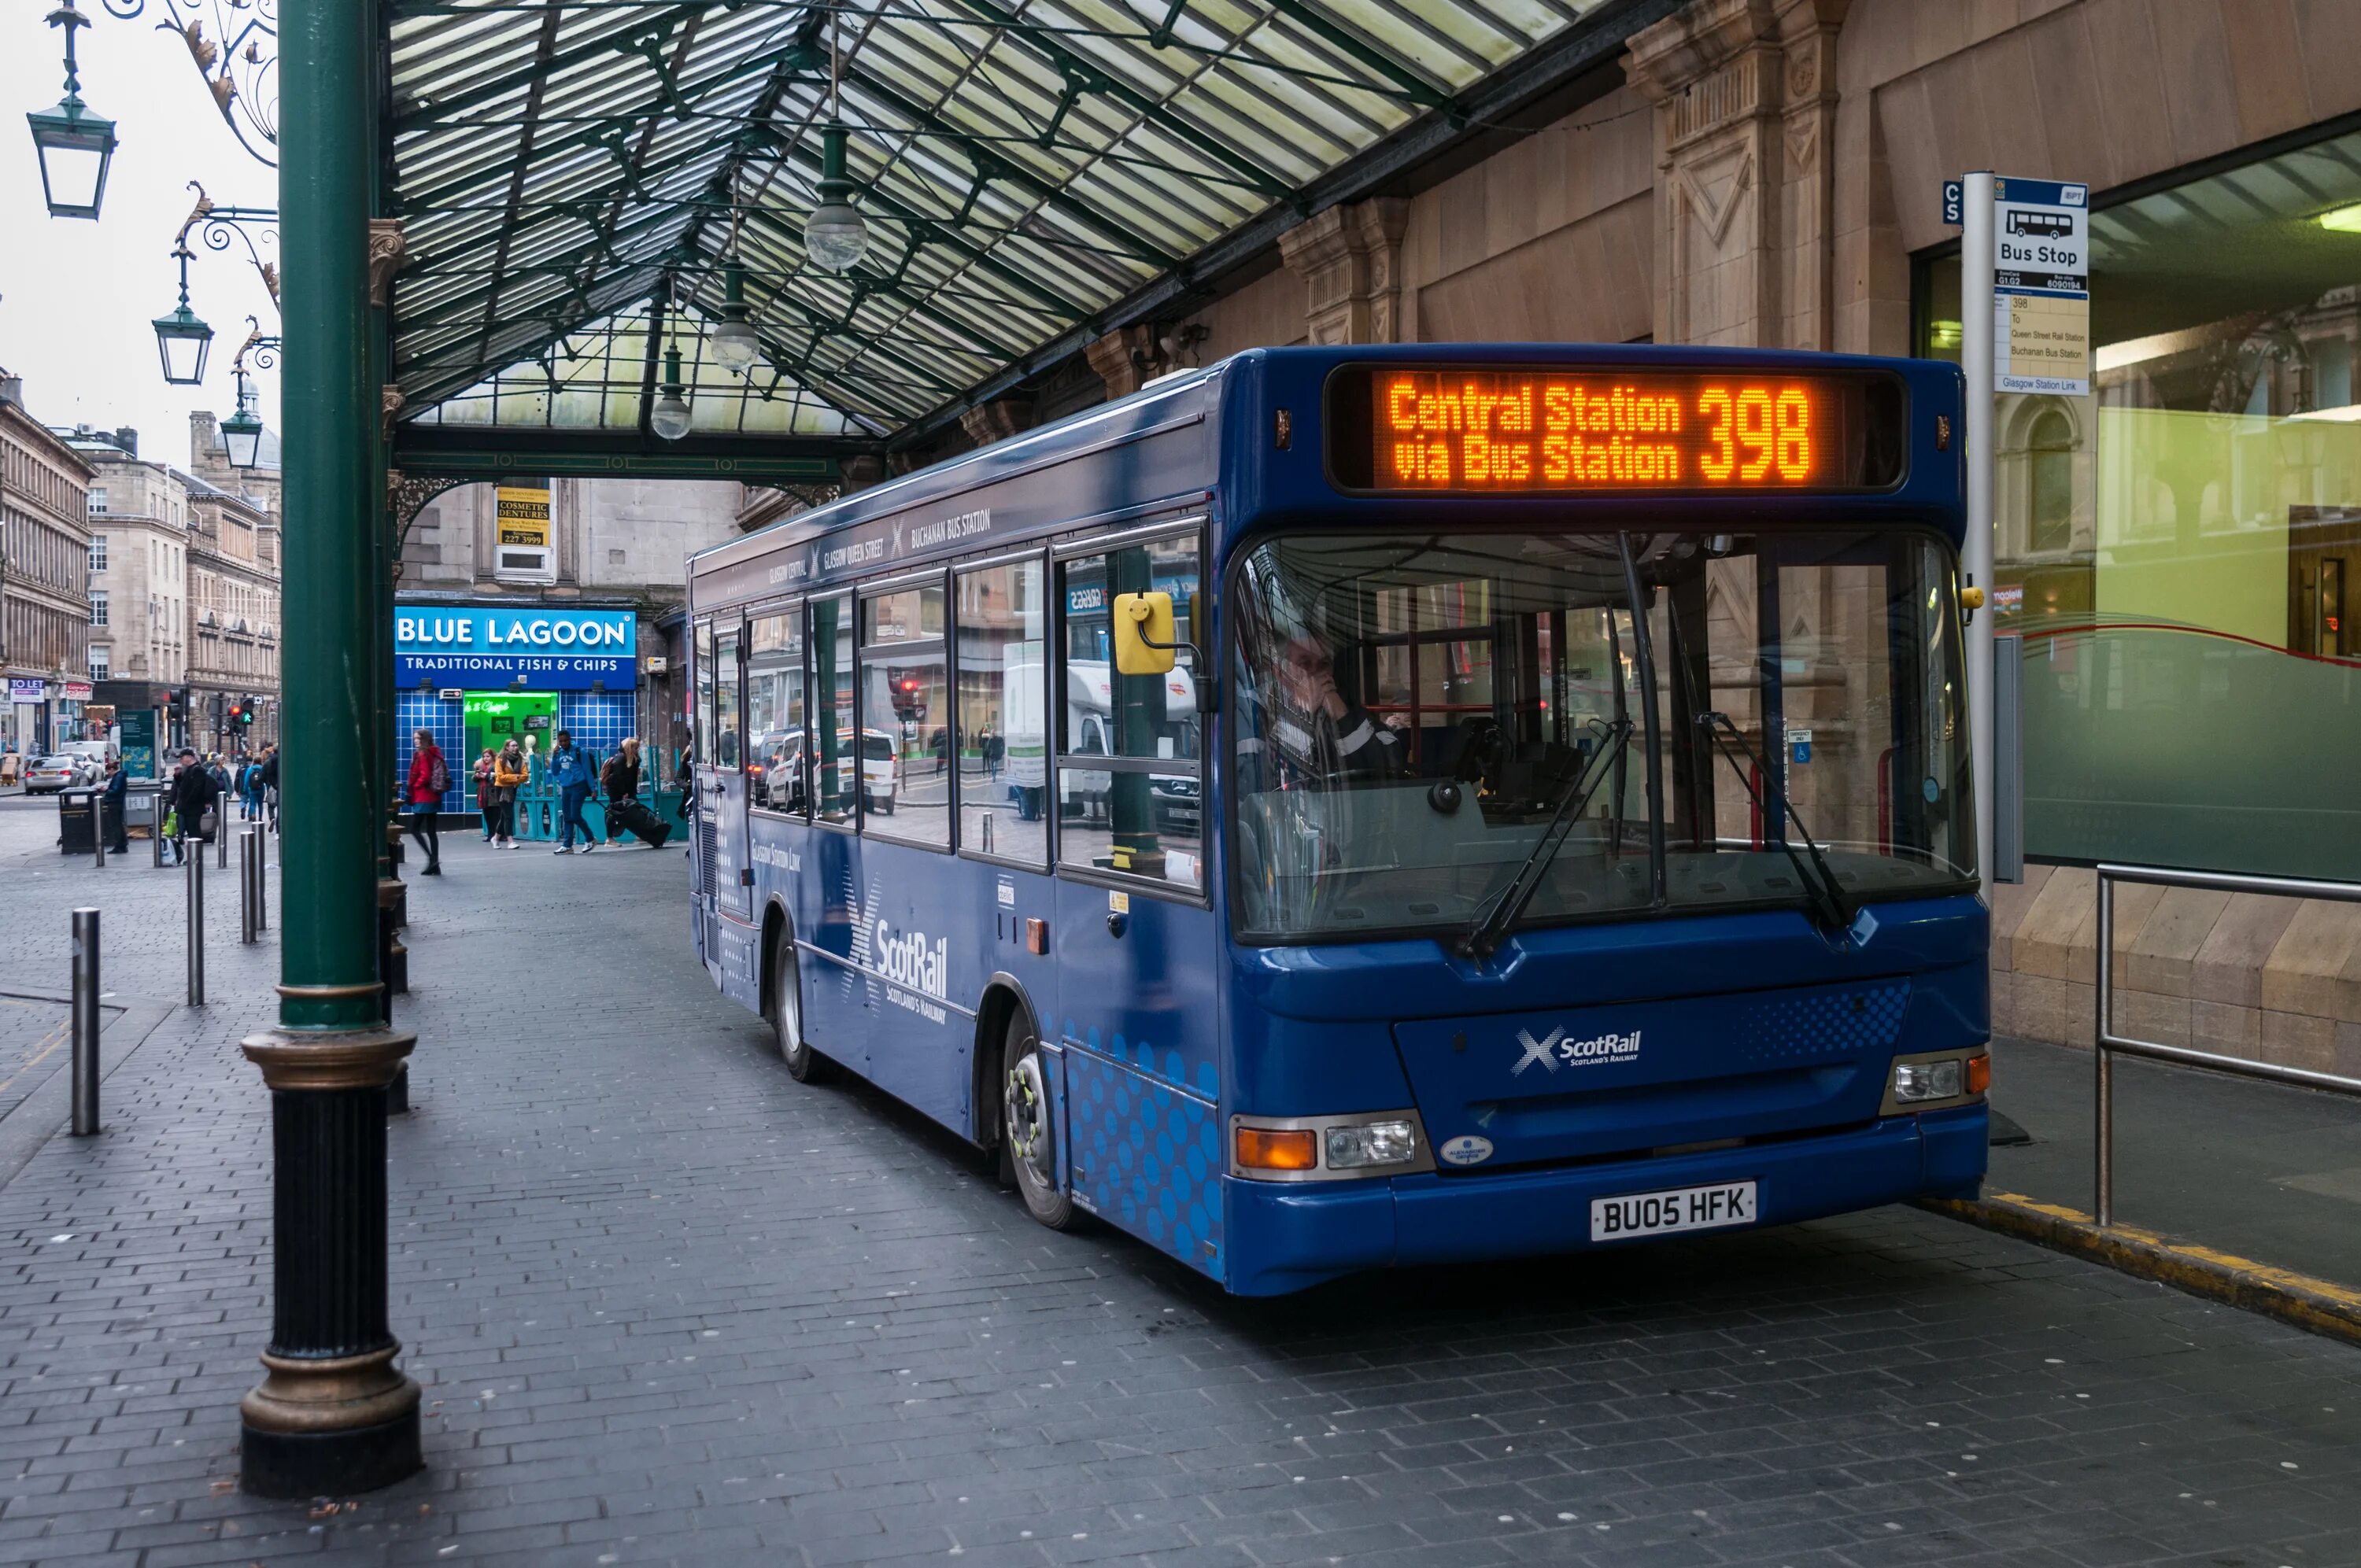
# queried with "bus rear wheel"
point(1027, 1129)
point(805, 1065)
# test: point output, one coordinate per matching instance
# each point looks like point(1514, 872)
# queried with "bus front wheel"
point(1028, 1128)
point(805, 1065)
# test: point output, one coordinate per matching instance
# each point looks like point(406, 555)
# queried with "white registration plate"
point(1676, 1209)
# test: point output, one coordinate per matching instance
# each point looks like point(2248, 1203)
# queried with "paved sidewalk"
point(2264, 1170)
point(670, 1306)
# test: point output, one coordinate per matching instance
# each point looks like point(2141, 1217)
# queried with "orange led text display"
point(1450, 430)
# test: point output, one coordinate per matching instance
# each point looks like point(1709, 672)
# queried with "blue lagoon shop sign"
point(549, 648)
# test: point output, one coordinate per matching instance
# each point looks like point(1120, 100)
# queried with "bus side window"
point(1139, 812)
point(1003, 616)
point(835, 788)
point(728, 735)
point(775, 712)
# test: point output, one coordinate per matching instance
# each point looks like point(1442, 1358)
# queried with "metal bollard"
point(195, 849)
point(246, 864)
point(262, 840)
point(85, 1022)
point(98, 832)
point(221, 836)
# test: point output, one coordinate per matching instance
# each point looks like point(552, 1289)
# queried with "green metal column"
point(332, 1414)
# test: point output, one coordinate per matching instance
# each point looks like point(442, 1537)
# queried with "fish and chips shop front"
point(477, 674)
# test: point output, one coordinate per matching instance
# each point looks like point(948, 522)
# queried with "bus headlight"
point(1927, 1079)
point(1328, 1149)
point(1933, 1079)
point(1371, 1144)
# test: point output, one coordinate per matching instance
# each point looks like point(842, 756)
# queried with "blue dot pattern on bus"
point(1147, 1156)
point(1783, 1029)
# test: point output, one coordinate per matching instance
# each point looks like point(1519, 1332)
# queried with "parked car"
point(52, 773)
point(97, 753)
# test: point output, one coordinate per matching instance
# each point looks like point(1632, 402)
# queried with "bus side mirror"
point(1145, 636)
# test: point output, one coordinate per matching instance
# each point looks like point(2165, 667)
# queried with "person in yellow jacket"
point(508, 776)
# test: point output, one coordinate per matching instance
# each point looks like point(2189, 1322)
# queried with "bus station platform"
point(669, 1306)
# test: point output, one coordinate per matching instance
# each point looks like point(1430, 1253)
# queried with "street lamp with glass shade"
point(733, 341)
point(75, 145)
point(669, 416)
point(242, 432)
point(835, 235)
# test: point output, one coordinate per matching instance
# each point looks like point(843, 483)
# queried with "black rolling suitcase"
point(639, 822)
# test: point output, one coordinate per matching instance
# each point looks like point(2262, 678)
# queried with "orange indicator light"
point(1979, 1077)
point(1265, 1149)
point(1506, 430)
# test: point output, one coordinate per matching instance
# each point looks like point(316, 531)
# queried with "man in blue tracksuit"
point(571, 772)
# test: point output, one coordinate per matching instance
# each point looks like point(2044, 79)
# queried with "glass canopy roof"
point(571, 174)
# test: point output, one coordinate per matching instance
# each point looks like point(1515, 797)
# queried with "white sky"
point(76, 297)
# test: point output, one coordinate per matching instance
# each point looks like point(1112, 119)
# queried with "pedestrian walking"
point(270, 786)
point(249, 790)
point(430, 780)
point(484, 787)
point(621, 780)
point(510, 772)
point(570, 771)
point(190, 802)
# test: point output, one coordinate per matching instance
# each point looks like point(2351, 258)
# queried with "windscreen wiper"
point(1828, 894)
point(1483, 939)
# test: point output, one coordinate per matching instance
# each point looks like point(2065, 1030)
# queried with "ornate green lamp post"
point(332, 1413)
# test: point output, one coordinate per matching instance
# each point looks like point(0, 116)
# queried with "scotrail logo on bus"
point(1556, 1050)
point(911, 962)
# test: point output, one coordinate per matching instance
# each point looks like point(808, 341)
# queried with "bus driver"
point(1317, 736)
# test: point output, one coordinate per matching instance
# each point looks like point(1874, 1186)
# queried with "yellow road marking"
point(48, 1042)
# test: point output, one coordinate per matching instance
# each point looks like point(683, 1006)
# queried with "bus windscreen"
point(1601, 429)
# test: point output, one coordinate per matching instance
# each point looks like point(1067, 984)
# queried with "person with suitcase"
point(621, 780)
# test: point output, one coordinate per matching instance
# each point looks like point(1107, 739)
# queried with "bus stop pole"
point(1977, 325)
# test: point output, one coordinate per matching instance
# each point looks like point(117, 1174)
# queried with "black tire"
point(1027, 1131)
point(805, 1064)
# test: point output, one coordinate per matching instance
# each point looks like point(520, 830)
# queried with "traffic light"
point(241, 713)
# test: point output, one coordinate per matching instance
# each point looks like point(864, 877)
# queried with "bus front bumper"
point(1284, 1236)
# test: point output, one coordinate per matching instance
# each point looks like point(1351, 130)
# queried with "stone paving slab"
point(669, 1306)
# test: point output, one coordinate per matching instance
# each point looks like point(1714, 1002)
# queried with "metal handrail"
point(2106, 1042)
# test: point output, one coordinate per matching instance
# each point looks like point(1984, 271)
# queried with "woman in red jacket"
point(430, 777)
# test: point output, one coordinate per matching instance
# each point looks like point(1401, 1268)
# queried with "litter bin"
point(76, 819)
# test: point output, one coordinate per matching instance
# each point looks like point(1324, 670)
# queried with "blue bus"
point(1357, 806)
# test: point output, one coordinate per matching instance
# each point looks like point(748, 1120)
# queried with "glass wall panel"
point(905, 713)
point(775, 713)
point(1003, 616)
point(2174, 550)
point(1144, 819)
point(729, 733)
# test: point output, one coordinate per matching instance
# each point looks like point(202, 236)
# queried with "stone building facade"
point(234, 637)
point(44, 580)
point(140, 536)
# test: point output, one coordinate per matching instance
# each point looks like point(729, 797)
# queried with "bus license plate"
point(1676, 1209)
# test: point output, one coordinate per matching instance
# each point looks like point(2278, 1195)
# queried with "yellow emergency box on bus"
point(1143, 634)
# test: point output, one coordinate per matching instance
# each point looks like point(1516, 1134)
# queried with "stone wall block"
point(2011, 901)
point(2056, 1011)
point(2299, 1039)
point(2003, 1004)
point(2044, 937)
point(2226, 1029)
point(2347, 1050)
point(2162, 956)
point(2229, 967)
point(2307, 965)
point(2147, 1015)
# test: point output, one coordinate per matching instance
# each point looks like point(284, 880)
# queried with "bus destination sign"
point(1592, 430)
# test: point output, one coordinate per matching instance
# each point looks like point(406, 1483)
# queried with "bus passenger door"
point(724, 791)
point(1134, 936)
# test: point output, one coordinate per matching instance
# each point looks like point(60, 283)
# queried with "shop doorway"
point(494, 719)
